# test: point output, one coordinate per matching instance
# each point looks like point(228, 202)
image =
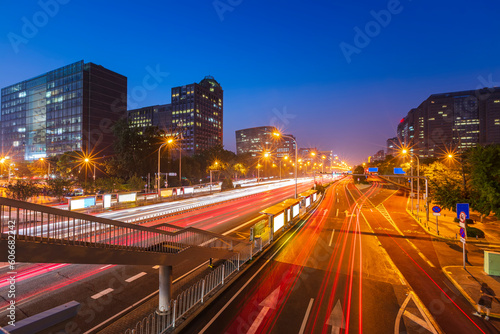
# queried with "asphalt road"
point(107, 290)
point(328, 274)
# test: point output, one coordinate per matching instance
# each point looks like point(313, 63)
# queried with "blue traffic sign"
point(398, 170)
point(463, 207)
point(436, 209)
point(462, 232)
point(372, 169)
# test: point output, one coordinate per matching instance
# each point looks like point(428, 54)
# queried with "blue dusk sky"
point(339, 75)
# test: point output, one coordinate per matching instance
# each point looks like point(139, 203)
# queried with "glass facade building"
point(194, 117)
point(68, 109)
point(453, 121)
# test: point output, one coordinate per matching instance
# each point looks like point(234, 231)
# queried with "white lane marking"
point(156, 267)
point(140, 301)
point(133, 278)
point(304, 322)
point(337, 213)
point(331, 238)
point(106, 266)
point(102, 293)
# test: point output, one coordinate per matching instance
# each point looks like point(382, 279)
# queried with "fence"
point(188, 299)
point(42, 224)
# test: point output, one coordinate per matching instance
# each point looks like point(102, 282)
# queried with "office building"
point(68, 109)
point(452, 122)
point(255, 140)
point(194, 116)
point(379, 156)
point(392, 146)
point(197, 113)
point(159, 116)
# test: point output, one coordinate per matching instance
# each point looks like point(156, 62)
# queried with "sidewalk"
point(448, 229)
point(468, 282)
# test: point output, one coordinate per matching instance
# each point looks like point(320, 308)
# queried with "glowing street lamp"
point(48, 166)
point(3, 161)
point(404, 152)
point(264, 155)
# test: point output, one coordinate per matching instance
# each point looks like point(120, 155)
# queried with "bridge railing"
point(33, 222)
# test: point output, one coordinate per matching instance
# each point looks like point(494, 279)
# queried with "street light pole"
point(158, 175)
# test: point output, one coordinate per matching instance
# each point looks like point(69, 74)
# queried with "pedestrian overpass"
point(41, 234)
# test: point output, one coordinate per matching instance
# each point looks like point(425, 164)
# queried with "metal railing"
point(43, 224)
point(188, 299)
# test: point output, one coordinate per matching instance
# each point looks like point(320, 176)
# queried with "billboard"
point(278, 221)
point(106, 200)
point(295, 210)
point(308, 201)
point(130, 197)
point(188, 190)
point(81, 202)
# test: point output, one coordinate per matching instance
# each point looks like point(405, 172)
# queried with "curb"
point(465, 294)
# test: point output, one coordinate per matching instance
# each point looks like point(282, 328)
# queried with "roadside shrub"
point(472, 232)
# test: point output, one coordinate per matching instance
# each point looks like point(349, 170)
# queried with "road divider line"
point(102, 293)
point(304, 322)
point(156, 267)
point(331, 238)
point(133, 278)
point(105, 266)
point(337, 214)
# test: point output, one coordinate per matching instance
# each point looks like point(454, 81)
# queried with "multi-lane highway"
point(106, 290)
point(349, 268)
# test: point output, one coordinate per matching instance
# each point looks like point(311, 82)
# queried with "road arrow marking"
point(269, 303)
point(336, 319)
point(424, 323)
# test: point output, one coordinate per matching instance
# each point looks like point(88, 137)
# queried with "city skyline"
point(288, 74)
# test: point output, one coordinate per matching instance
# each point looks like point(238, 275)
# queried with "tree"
point(135, 183)
point(227, 184)
point(22, 190)
point(445, 185)
point(484, 165)
point(135, 150)
point(59, 187)
point(359, 179)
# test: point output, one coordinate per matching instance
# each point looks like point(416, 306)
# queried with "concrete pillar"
point(165, 294)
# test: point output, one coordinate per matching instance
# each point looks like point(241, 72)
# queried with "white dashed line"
point(156, 267)
point(133, 278)
point(102, 293)
point(106, 266)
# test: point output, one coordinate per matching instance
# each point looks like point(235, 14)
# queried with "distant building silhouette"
point(452, 122)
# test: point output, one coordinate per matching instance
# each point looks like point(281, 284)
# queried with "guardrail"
point(43, 224)
point(156, 322)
